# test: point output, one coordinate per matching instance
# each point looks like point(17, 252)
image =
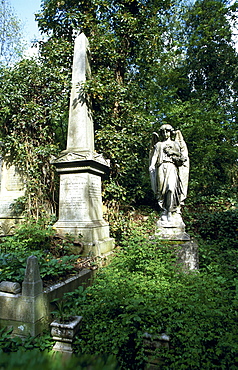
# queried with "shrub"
point(33, 238)
point(144, 291)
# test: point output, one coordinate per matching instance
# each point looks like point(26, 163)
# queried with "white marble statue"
point(169, 170)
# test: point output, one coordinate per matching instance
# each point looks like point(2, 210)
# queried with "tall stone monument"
point(81, 168)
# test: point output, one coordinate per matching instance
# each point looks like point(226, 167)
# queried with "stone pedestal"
point(80, 202)
point(63, 334)
point(187, 253)
point(173, 229)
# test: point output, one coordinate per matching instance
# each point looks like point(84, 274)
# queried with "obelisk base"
point(80, 203)
point(95, 237)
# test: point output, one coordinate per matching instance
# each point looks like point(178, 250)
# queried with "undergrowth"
point(144, 291)
point(52, 251)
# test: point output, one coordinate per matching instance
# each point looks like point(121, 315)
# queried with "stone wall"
point(28, 312)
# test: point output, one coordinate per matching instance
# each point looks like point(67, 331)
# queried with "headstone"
point(81, 168)
point(11, 188)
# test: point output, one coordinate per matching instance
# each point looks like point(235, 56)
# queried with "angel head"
point(166, 130)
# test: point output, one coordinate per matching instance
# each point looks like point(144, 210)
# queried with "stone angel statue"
point(169, 170)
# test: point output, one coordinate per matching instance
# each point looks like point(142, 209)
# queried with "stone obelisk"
point(81, 168)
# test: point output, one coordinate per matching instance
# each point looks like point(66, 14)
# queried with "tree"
point(145, 71)
point(129, 61)
point(155, 61)
point(33, 101)
point(209, 95)
point(11, 45)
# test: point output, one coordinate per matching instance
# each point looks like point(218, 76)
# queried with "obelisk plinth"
point(81, 168)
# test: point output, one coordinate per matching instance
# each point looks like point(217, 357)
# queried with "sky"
point(24, 10)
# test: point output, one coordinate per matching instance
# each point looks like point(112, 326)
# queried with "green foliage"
point(62, 310)
point(126, 42)
point(12, 266)
point(33, 235)
point(34, 359)
point(144, 290)
point(9, 344)
point(32, 100)
point(36, 352)
point(32, 238)
point(212, 215)
point(218, 225)
point(11, 44)
point(152, 62)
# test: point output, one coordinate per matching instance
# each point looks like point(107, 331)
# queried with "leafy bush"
point(145, 291)
point(37, 360)
point(218, 225)
point(9, 344)
point(33, 238)
point(36, 353)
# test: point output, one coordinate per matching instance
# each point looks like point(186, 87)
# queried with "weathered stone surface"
point(80, 128)
point(185, 251)
point(188, 254)
point(171, 230)
point(64, 333)
point(11, 188)
point(32, 284)
point(81, 169)
point(10, 287)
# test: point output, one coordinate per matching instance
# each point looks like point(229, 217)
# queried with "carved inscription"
point(13, 180)
point(5, 208)
point(73, 190)
point(94, 191)
point(80, 197)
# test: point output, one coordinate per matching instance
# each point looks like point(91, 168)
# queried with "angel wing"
point(154, 141)
point(153, 177)
point(184, 169)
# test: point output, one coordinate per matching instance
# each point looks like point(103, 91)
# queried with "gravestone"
point(81, 168)
point(11, 188)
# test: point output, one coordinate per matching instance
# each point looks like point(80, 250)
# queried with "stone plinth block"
point(11, 188)
point(80, 204)
point(173, 229)
point(187, 254)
